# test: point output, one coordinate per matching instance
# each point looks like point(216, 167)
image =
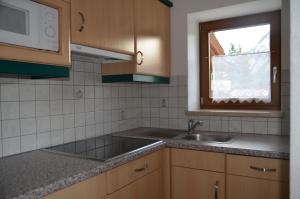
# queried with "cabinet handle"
point(142, 57)
point(264, 170)
point(82, 22)
point(142, 168)
point(216, 189)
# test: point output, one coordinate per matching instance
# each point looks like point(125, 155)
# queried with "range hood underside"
point(104, 55)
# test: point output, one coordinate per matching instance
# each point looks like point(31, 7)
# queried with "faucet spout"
point(192, 125)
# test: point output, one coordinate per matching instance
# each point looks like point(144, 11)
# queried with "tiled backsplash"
point(165, 106)
point(40, 113)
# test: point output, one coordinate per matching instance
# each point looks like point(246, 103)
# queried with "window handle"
point(275, 71)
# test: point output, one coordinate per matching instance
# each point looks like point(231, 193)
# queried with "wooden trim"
point(62, 57)
point(272, 18)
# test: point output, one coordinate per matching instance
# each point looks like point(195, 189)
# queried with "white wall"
point(179, 27)
point(179, 20)
point(295, 99)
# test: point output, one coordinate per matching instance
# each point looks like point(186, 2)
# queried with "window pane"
point(240, 64)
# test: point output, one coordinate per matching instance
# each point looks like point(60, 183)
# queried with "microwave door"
point(19, 23)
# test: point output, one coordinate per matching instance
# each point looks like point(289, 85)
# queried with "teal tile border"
point(135, 78)
point(167, 3)
point(33, 70)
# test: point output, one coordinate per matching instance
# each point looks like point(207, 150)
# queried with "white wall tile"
point(69, 121)
point(27, 92)
point(28, 126)
point(69, 135)
point(79, 119)
point(1, 148)
point(261, 127)
point(55, 92)
point(68, 106)
point(56, 107)
point(44, 140)
point(80, 133)
point(42, 108)
point(247, 126)
point(56, 122)
point(57, 137)
point(235, 126)
point(27, 109)
point(9, 92)
point(43, 124)
point(10, 128)
point(11, 146)
point(10, 110)
point(28, 143)
point(79, 106)
point(42, 92)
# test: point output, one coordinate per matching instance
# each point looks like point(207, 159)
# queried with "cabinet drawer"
point(251, 188)
point(198, 160)
point(263, 168)
point(93, 188)
point(123, 175)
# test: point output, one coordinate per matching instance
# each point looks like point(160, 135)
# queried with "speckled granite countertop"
point(35, 174)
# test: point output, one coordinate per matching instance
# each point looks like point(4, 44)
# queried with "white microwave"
point(29, 24)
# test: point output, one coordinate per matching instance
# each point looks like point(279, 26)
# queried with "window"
point(240, 62)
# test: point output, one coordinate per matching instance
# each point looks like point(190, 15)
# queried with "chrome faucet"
point(192, 125)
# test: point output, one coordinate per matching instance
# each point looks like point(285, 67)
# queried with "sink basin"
point(208, 138)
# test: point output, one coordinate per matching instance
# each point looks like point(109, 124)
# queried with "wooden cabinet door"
point(197, 184)
point(251, 188)
point(148, 187)
point(85, 28)
point(104, 24)
point(117, 25)
point(152, 29)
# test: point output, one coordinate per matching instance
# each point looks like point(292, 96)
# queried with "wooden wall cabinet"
point(32, 55)
point(152, 42)
point(104, 24)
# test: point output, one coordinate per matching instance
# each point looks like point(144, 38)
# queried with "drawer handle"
point(82, 21)
point(216, 189)
point(142, 168)
point(264, 170)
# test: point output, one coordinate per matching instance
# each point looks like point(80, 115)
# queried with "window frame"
point(272, 18)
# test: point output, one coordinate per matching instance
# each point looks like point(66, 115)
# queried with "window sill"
point(236, 113)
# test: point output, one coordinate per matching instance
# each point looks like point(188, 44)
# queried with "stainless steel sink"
point(208, 138)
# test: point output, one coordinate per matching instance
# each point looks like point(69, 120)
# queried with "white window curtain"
point(241, 78)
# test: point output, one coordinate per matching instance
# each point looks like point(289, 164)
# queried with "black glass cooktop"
point(104, 147)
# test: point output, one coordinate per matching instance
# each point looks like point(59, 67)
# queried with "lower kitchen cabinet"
point(93, 188)
point(239, 187)
point(256, 178)
point(197, 184)
point(148, 187)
